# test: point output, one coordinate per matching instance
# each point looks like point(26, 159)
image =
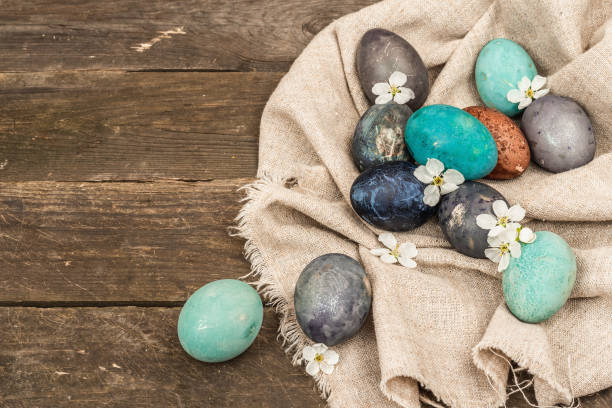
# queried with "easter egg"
point(379, 136)
point(500, 65)
point(332, 298)
point(388, 196)
point(220, 320)
point(538, 283)
point(513, 154)
point(452, 136)
point(457, 216)
point(559, 133)
point(380, 53)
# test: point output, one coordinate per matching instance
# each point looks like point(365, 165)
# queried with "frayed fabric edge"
point(263, 278)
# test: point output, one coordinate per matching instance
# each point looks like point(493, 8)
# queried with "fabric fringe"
point(264, 280)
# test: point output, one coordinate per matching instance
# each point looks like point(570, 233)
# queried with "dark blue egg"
point(332, 298)
point(389, 197)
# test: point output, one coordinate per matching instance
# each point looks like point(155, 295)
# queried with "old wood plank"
point(129, 356)
point(116, 242)
point(241, 35)
point(84, 126)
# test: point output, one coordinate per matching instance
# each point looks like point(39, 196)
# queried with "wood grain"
point(116, 243)
point(131, 357)
point(83, 126)
point(239, 35)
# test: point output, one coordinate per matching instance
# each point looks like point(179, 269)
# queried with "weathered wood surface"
point(116, 243)
point(238, 35)
point(112, 125)
point(131, 357)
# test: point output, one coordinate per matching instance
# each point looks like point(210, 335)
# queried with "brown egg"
point(513, 153)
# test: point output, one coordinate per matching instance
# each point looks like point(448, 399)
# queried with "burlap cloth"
point(443, 325)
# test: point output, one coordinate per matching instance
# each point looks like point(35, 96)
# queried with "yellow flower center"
point(503, 221)
point(394, 90)
point(319, 357)
point(438, 181)
point(505, 247)
point(530, 93)
point(395, 252)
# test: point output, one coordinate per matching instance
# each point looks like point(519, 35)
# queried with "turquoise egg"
point(500, 66)
point(454, 137)
point(538, 283)
point(220, 320)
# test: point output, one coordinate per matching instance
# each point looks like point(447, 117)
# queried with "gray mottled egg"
point(332, 298)
point(559, 133)
point(381, 53)
point(457, 216)
point(379, 136)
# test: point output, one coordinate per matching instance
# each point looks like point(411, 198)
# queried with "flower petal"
point(401, 98)
point(541, 93)
point(516, 213)
point(515, 95)
point(448, 188)
point(504, 262)
point(453, 176)
point(515, 249)
point(326, 368)
point(381, 88)
point(312, 368)
point(494, 240)
point(388, 240)
point(379, 251)
point(524, 103)
point(431, 195)
point(493, 254)
point(435, 167)
point(398, 78)
point(538, 82)
point(308, 353)
point(500, 208)
point(408, 250)
point(388, 258)
point(408, 91)
point(524, 84)
point(526, 235)
point(384, 98)
point(407, 262)
point(331, 357)
point(509, 233)
point(319, 348)
point(496, 230)
point(486, 221)
point(423, 175)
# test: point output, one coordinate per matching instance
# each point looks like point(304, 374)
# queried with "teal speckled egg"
point(452, 136)
point(220, 320)
point(500, 66)
point(538, 283)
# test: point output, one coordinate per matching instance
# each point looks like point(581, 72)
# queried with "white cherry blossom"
point(440, 182)
point(505, 216)
point(503, 246)
point(395, 252)
point(319, 358)
point(527, 91)
point(393, 90)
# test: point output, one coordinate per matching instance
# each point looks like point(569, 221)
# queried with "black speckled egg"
point(389, 197)
point(457, 216)
point(332, 298)
point(381, 53)
point(379, 136)
point(559, 133)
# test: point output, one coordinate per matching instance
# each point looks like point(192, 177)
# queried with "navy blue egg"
point(389, 197)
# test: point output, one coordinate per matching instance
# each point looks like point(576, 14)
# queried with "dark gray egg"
point(559, 133)
point(379, 136)
point(381, 53)
point(457, 216)
point(332, 298)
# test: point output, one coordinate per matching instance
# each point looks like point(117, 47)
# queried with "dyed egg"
point(500, 65)
point(512, 149)
point(452, 136)
point(332, 298)
point(457, 216)
point(220, 320)
point(538, 283)
point(388, 196)
point(379, 136)
point(380, 53)
point(559, 133)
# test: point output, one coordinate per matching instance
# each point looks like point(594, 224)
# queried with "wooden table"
point(125, 129)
